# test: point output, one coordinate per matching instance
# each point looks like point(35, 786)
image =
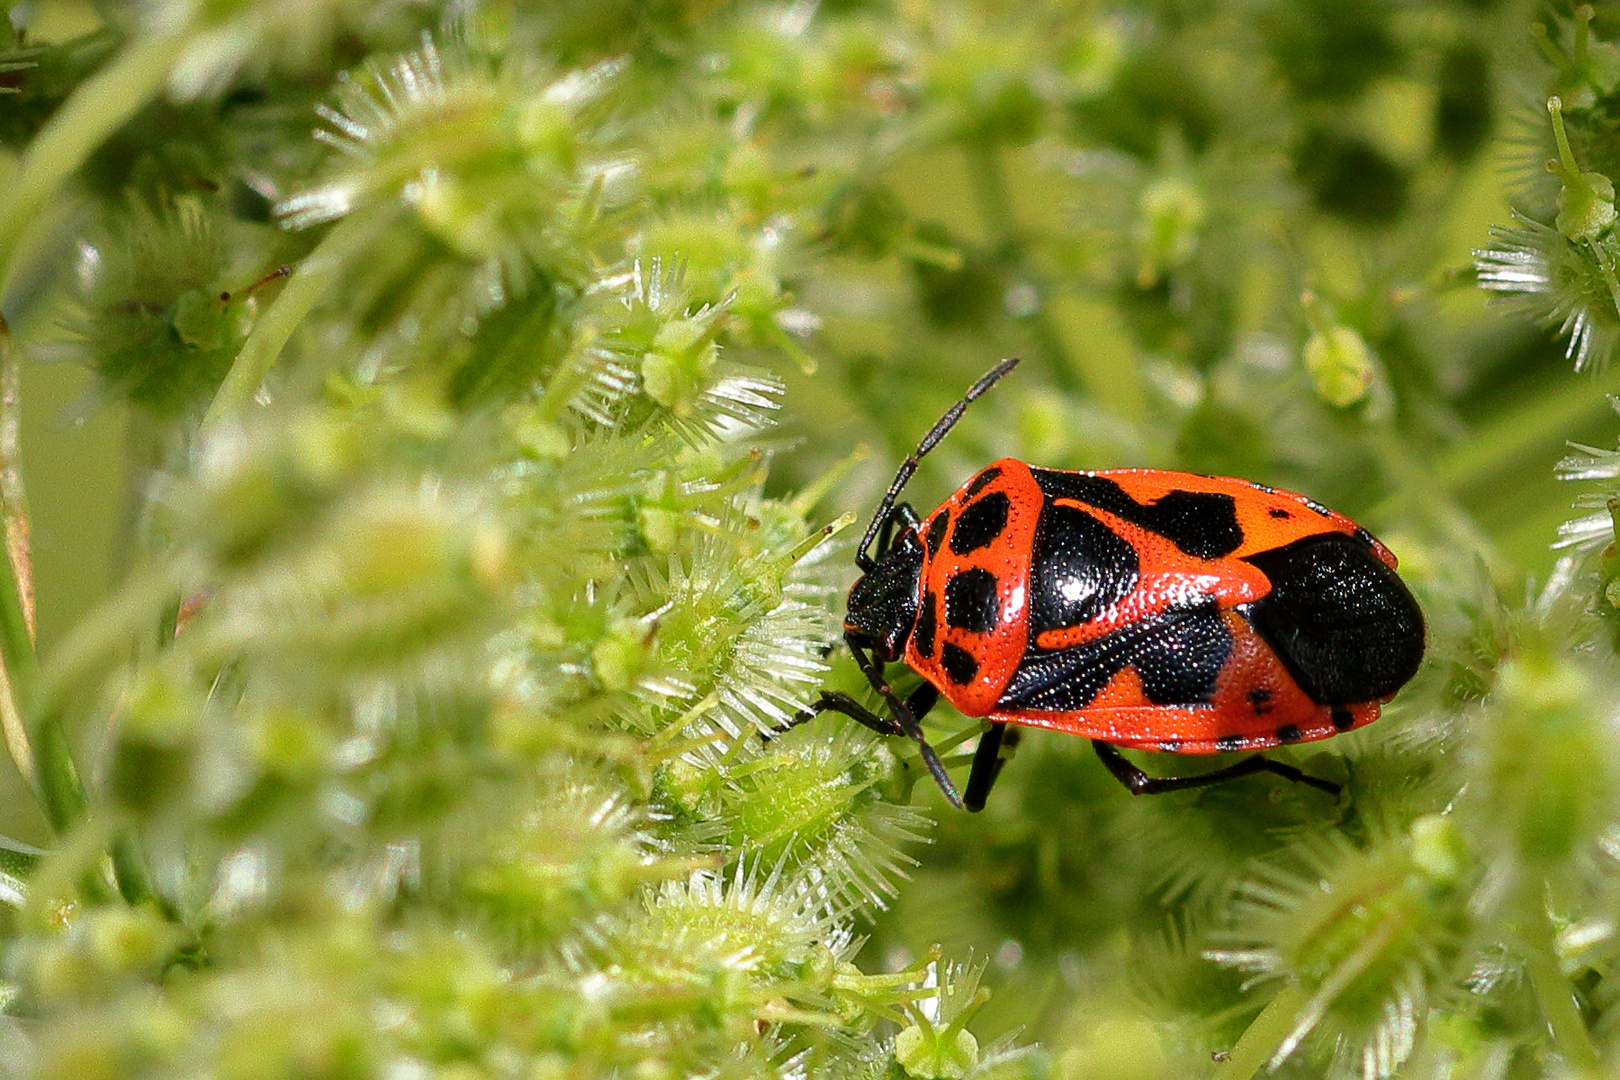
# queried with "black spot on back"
point(1343, 719)
point(1279, 512)
point(1228, 743)
point(971, 601)
point(924, 633)
point(958, 664)
point(936, 532)
point(1260, 701)
point(1078, 569)
point(1288, 733)
point(1201, 523)
point(980, 482)
point(980, 523)
point(1341, 622)
point(1178, 655)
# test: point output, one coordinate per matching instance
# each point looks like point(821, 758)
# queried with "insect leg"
point(833, 701)
point(919, 701)
point(930, 440)
point(1140, 783)
point(907, 722)
point(995, 749)
point(905, 517)
point(986, 767)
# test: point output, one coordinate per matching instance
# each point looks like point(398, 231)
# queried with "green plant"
point(490, 455)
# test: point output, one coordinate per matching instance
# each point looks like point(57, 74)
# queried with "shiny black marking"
point(980, 482)
point(972, 602)
point(958, 664)
point(1178, 655)
point(1364, 536)
point(1228, 743)
point(1078, 569)
point(980, 523)
point(1201, 523)
point(924, 633)
point(1279, 512)
point(1267, 488)
point(1288, 733)
point(936, 532)
point(1343, 719)
point(883, 602)
point(1341, 622)
point(1170, 746)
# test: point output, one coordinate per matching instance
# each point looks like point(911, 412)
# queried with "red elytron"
point(1138, 608)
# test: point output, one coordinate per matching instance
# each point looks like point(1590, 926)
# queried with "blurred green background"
point(1233, 238)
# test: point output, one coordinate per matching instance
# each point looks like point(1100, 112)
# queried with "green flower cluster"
point(498, 378)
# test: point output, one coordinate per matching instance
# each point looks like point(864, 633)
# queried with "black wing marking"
point(1178, 655)
point(1203, 524)
point(1343, 624)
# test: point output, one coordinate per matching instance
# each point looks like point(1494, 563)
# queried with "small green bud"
point(1095, 59)
point(747, 176)
point(323, 450)
point(660, 527)
point(1586, 203)
point(1437, 848)
point(102, 945)
point(153, 755)
point(1045, 425)
point(287, 743)
point(160, 708)
point(128, 939)
point(674, 370)
point(620, 657)
point(419, 410)
point(927, 1054)
point(200, 320)
point(453, 215)
point(1536, 680)
point(546, 130)
point(1172, 211)
point(538, 438)
point(1341, 365)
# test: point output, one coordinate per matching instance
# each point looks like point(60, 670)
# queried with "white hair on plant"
point(1565, 285)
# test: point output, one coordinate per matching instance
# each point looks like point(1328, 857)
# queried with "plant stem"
point(1257, 1044)
point(17, 644)
point(1427, 496)
point(49, 764)
point(16, 532)
point(129, 868)
point(1505, 439)
point(99, 107)
point(61, 794)
point(1554, 993)
point(308, 283)
point(990, 192)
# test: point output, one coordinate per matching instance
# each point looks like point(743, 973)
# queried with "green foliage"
point(501, 380)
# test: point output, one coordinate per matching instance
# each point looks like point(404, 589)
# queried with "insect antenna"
point(909, 466)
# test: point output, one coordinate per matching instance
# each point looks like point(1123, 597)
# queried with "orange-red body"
point(1186, 581)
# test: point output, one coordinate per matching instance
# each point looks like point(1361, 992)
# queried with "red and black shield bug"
point(1138, 608)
